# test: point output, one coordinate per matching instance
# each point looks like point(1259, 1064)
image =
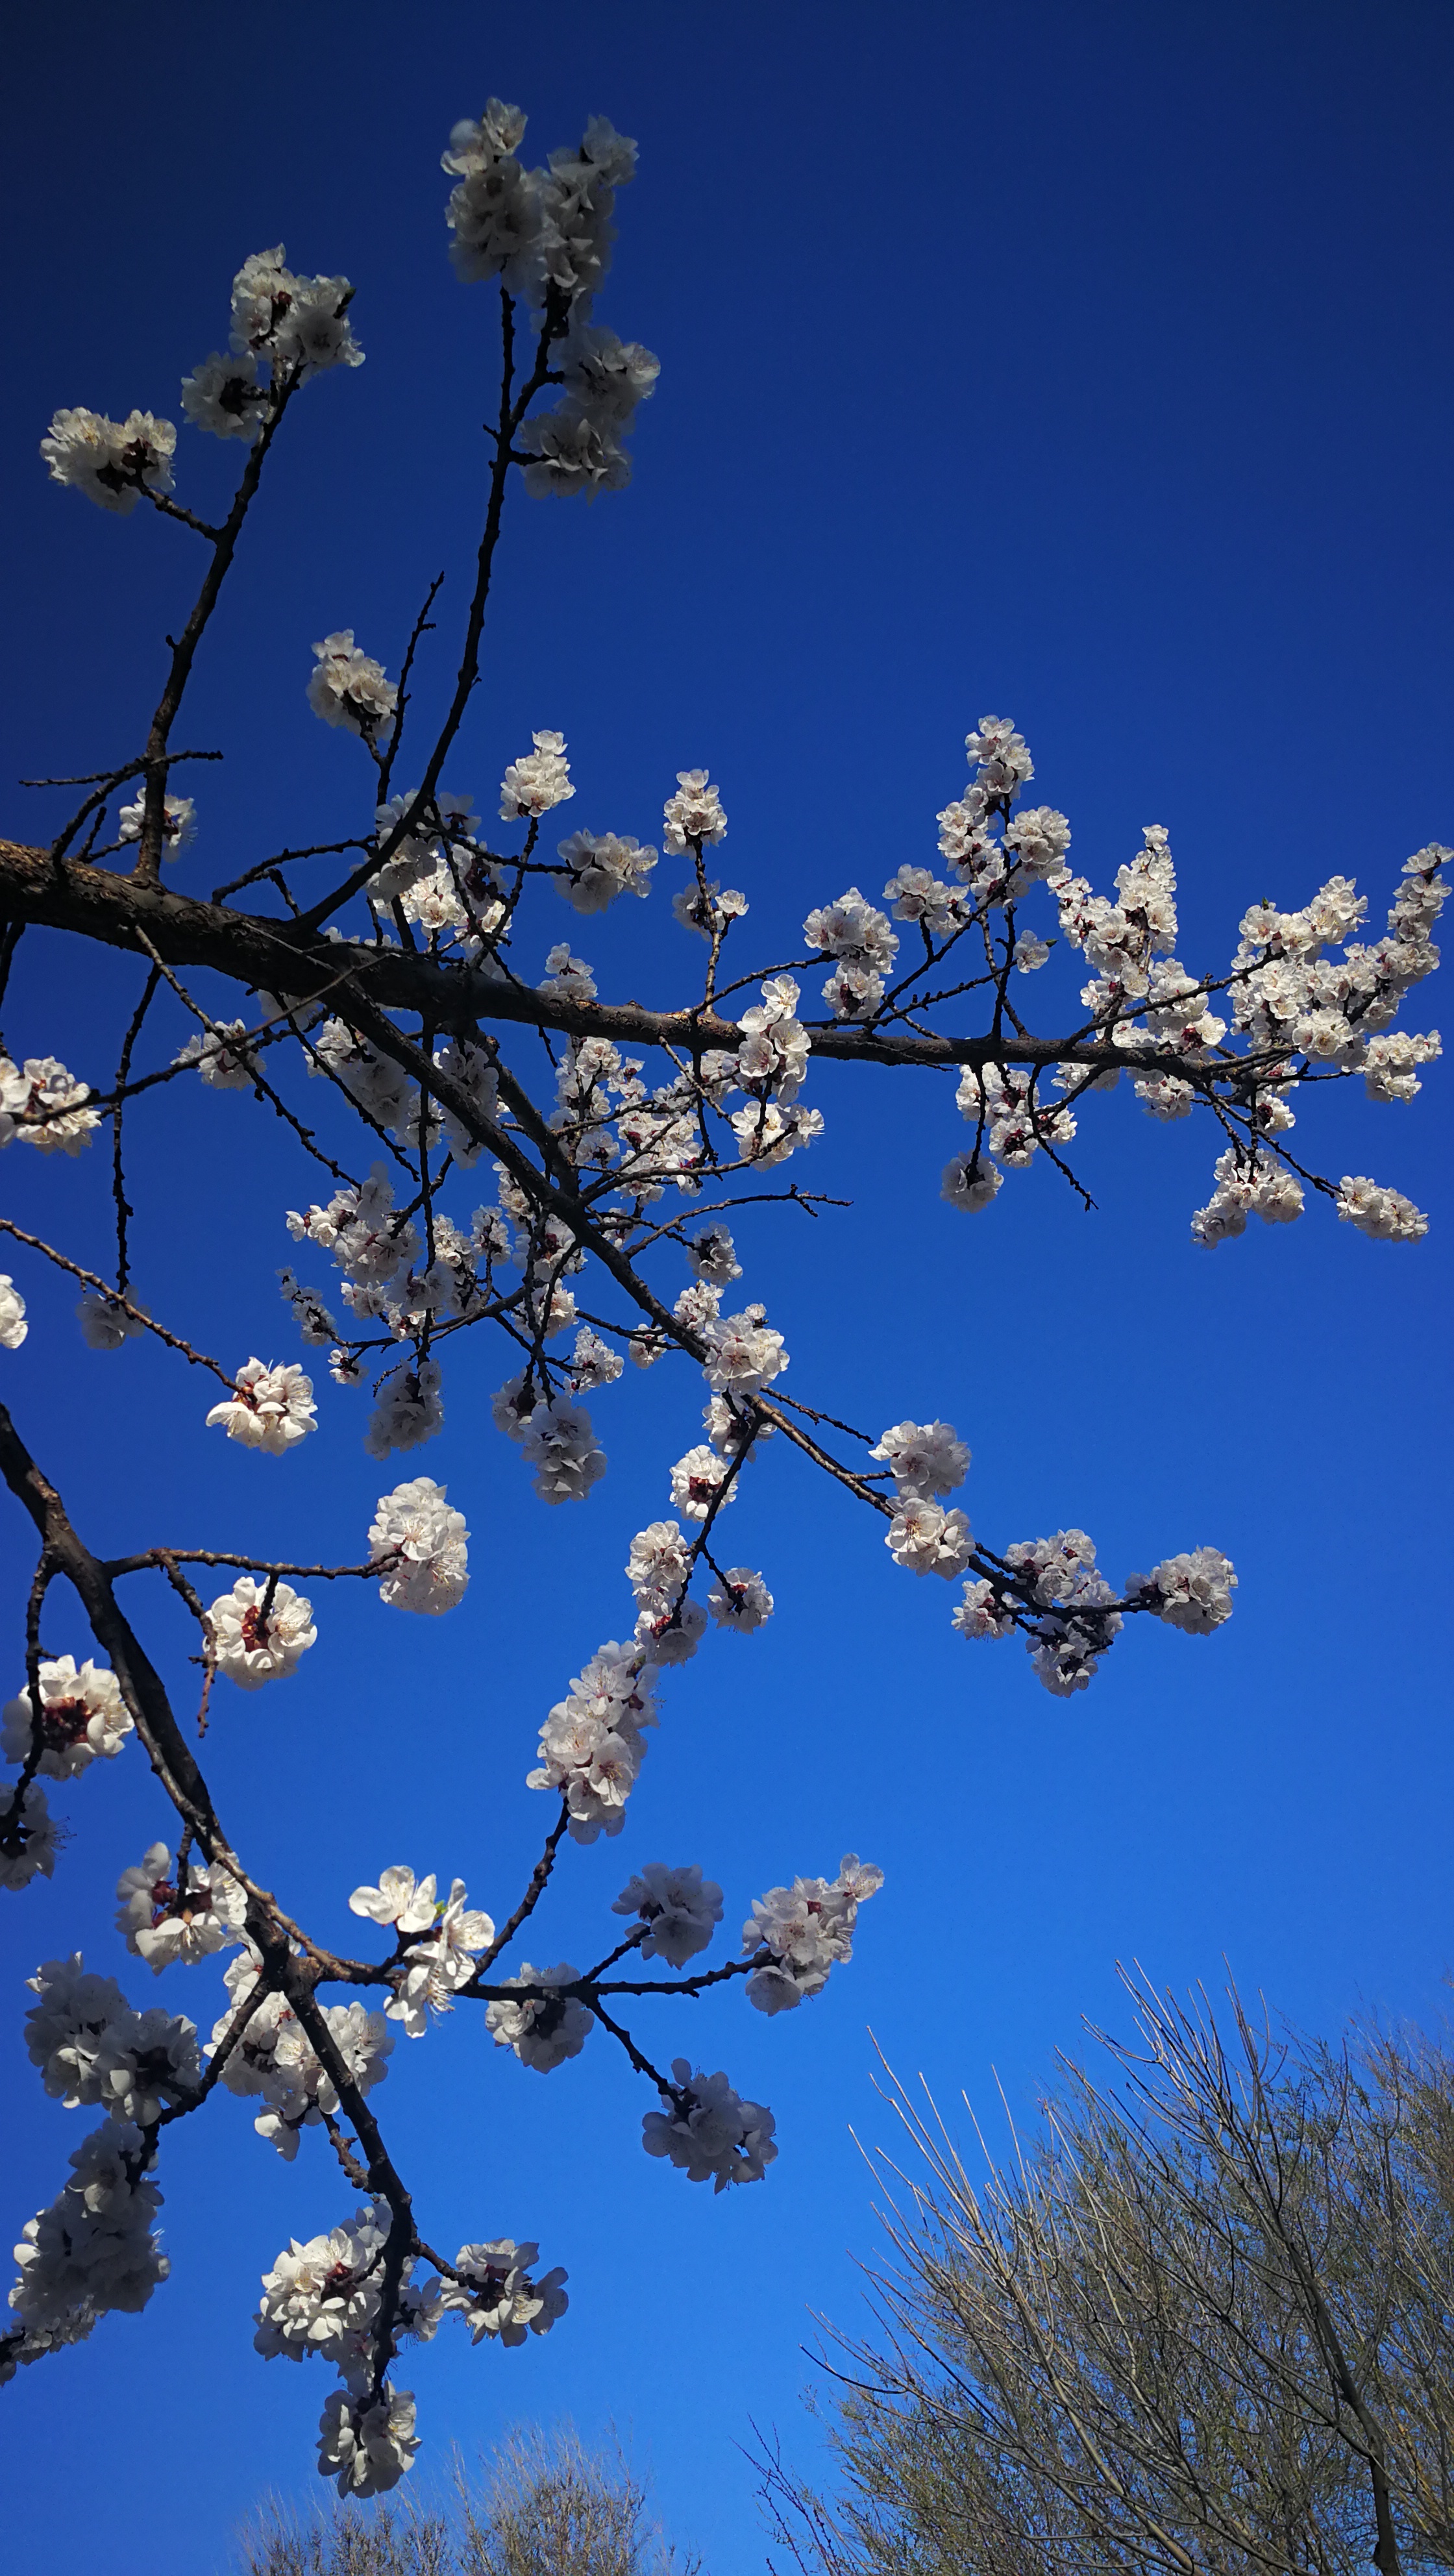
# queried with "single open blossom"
point(179, 823)
point(260, 1631)
point(272, 1410)
point(83, 1717)
point(410, 1904)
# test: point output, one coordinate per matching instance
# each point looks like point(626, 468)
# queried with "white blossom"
point(496, 2295)
point(222, 1056)
point(365, 2446)
point(91, 2047)
point(1004, 763)
point(543, 2033)
point(323, 2296)
point(179, 824)
point(223, 395)
point(744, 1354)
point(567, 978)
point(299, 324)
point(350, 689)
point(93, 2250)
point(274, 2058)
point(804, 1931)
point(708, 2130)
point(370, 1244)
point(410, 1904)
point(539, 780)
point(28, 1840)
point(13, 1326)
point(983, 1612)
point(571, 452)
point(713, 1256)
point(559, 1442)
point(681, 1908)
point(923, 1457)
point(164, 1921)
point(260, 1633)
point(435, 1967)
point(970, 1182)
point(740, 1599)
point(43, 1105)
point(928, 1540)
point(694, 816)
point(105, 1323)
point(414, 1527)
point(111, 461)
point(1077, 1624)
point(593, 1363)
point(1385, 1214)
point(1388, 1066)
point(409, 1408)
point(1192, 1592)
point(697, 1480)
point(599, 866)
point(83, 1717)
point(659, 1564)
point(590, 1745)
point(671, 1634)
point(272, 1410)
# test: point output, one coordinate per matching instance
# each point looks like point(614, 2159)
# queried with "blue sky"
point(1090, 364)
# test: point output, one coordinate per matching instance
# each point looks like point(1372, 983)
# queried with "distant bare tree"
point(1203, 2324)
point(547, 2507)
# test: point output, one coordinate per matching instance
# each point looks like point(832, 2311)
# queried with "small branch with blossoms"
point(368, 997)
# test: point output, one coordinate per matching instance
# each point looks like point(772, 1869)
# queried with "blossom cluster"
point(438, 1938)
point(794, 1935)
point(546, 234)
point(323, 2298)
point(269, 2055)
point(709, 2131)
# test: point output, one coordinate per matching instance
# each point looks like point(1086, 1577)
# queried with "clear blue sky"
point(1089, 363)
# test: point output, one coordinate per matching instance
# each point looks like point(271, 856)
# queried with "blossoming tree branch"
point(373, 995)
